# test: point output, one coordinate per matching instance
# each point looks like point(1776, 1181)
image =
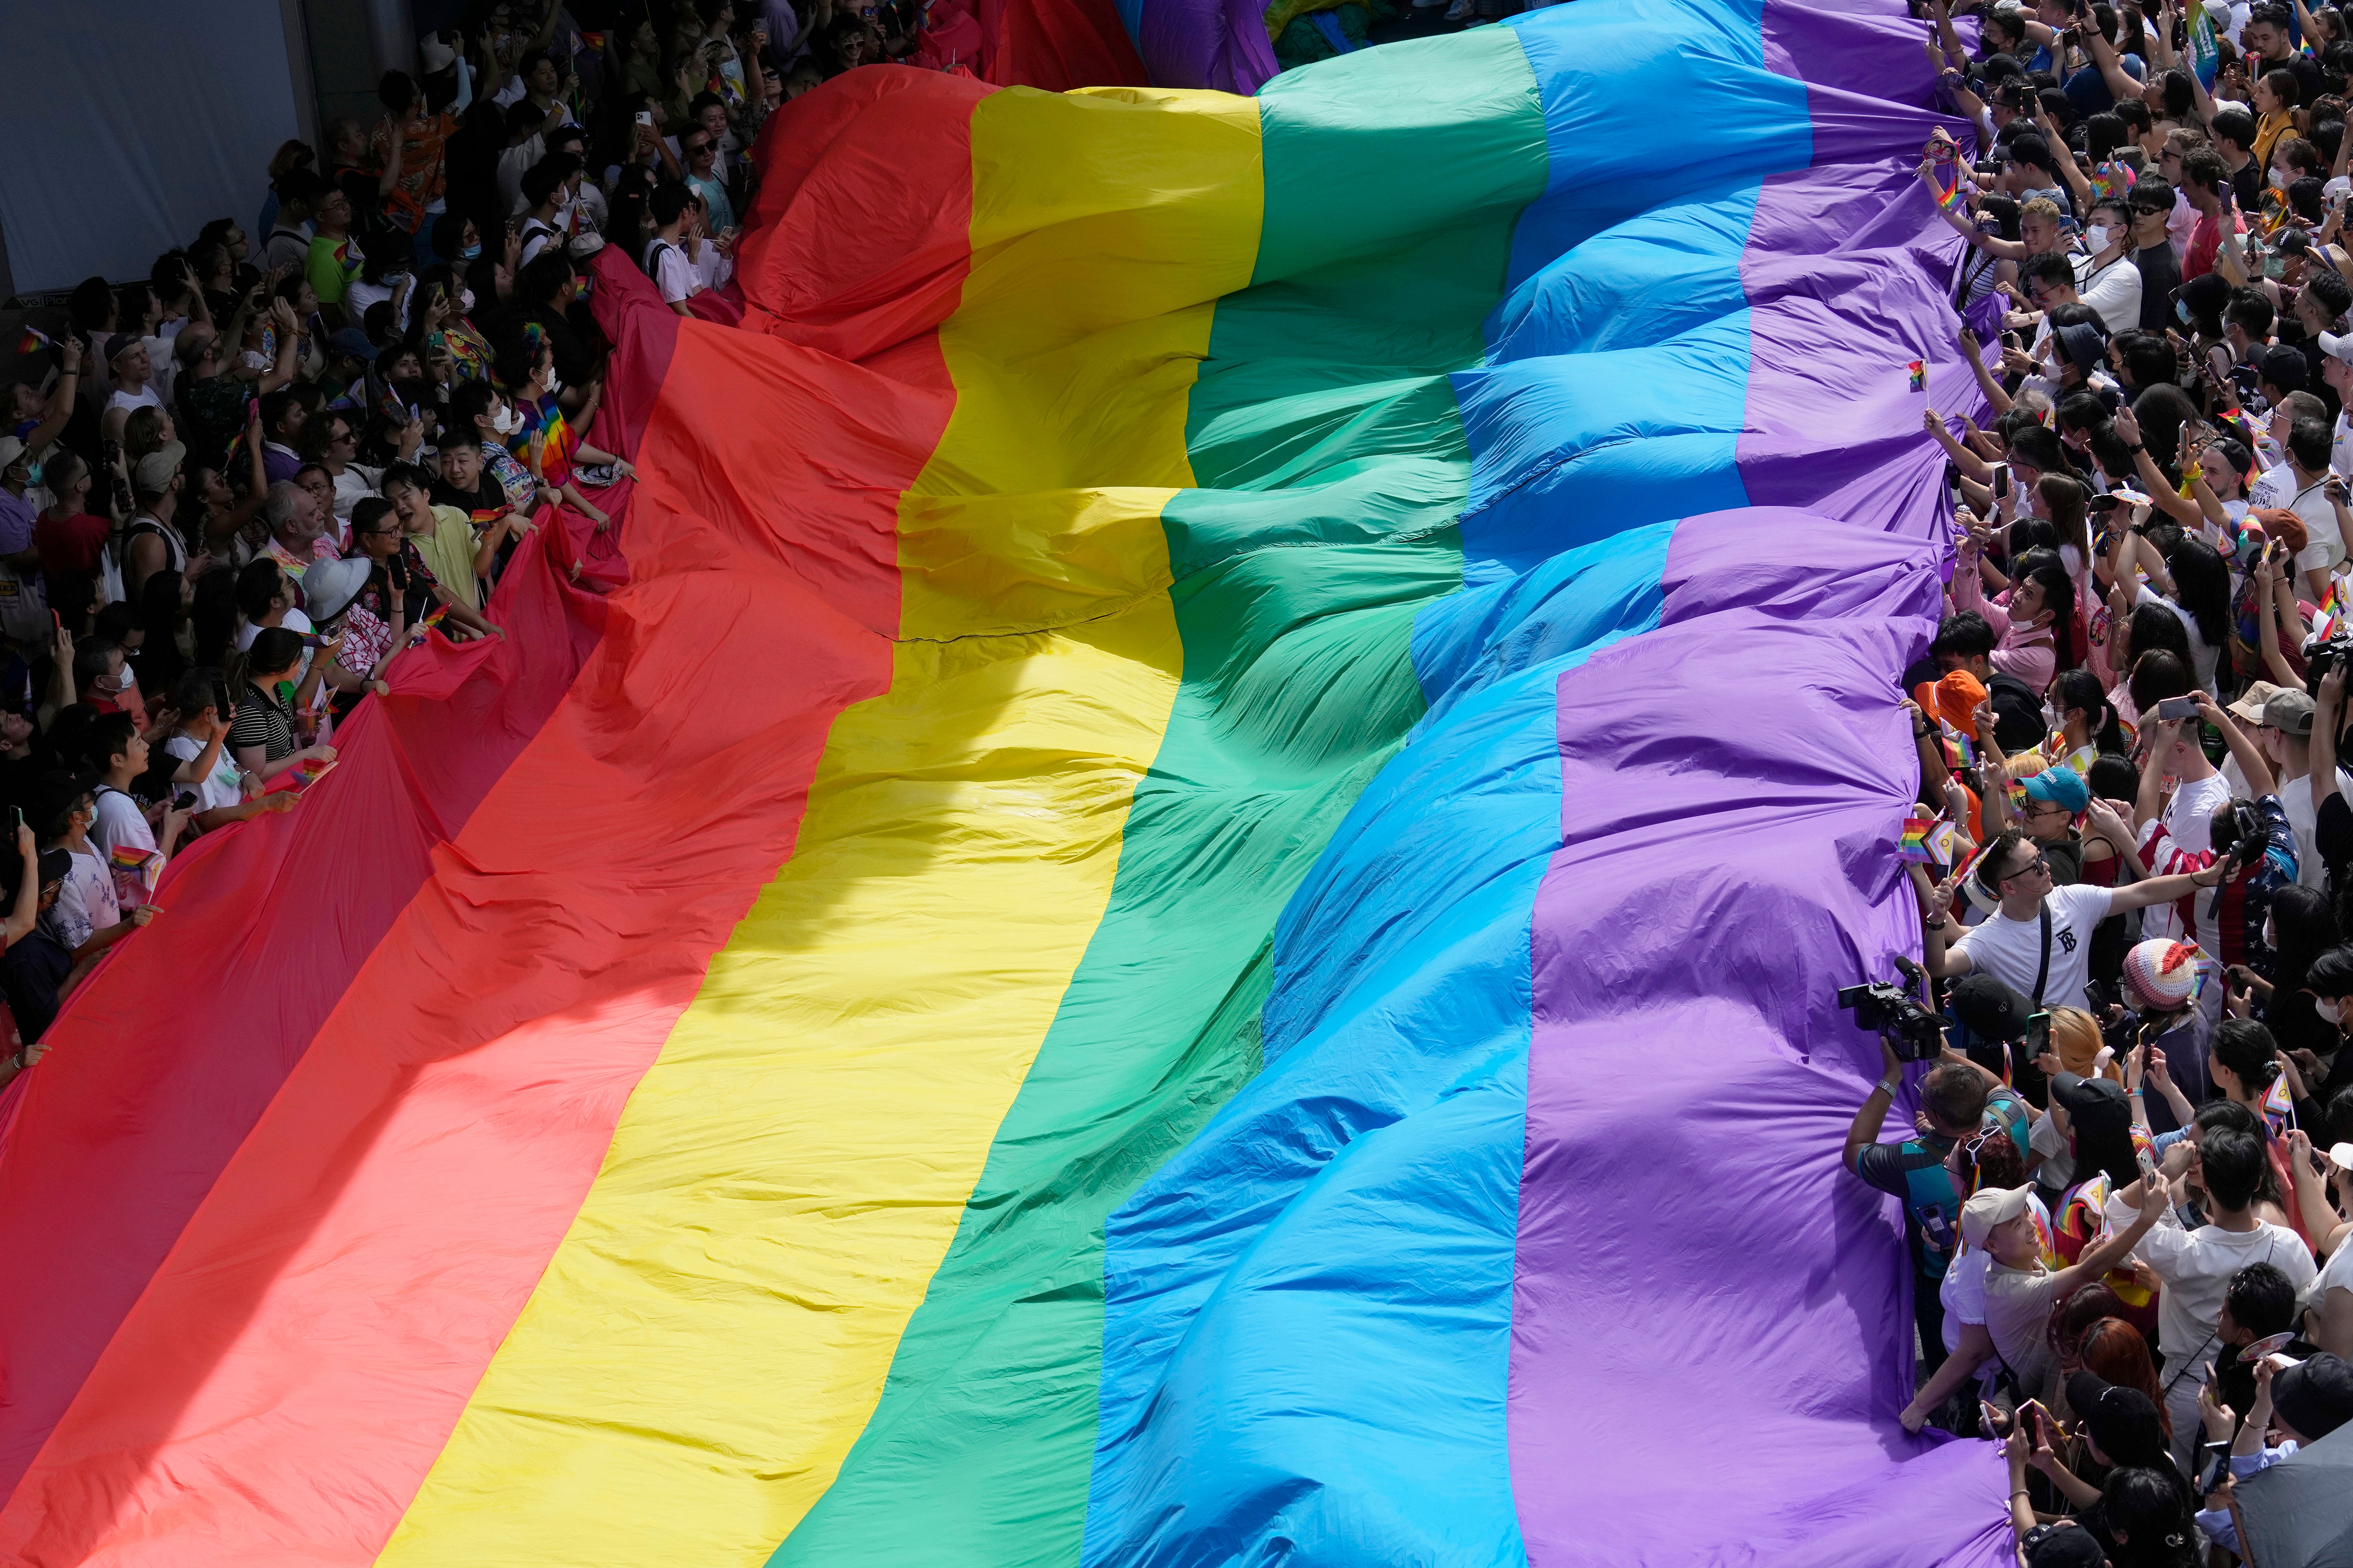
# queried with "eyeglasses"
point(2040, 863)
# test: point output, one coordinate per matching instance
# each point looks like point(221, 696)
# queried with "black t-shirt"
point(30, 972)
point(481, 504)
point(20, 776)
point(2247, 185)
point(2160, 275)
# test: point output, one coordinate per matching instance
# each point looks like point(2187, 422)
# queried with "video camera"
point(2318, 658)
point(1910, 1030)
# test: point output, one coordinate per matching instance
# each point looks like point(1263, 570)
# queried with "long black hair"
point(2201, 585)
point(2044, 569)
point(2302, 928)
point(2080, 689)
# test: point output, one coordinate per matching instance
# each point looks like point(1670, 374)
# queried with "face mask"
point(508, 422)
point(2182, 309)
point(555, 384)
point(465, 301)
point(2095, 239)
point(2327, 1011)
point(471, 252)
point(33, 475)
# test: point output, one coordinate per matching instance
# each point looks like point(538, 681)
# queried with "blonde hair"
point(2076, 1038)
point(2041, 206)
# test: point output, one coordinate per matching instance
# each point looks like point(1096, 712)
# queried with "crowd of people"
point(2126, 1186)
point(234, 490)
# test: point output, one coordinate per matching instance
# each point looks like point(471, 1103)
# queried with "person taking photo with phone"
point(2038, 939)
point(2196, 1266)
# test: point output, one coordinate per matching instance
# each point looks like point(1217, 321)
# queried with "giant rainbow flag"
point(1180, 906)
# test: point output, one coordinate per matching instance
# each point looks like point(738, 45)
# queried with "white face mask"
point(507, 421)
point(465, 301)
point(2327, 1011)
point(2095, 239)
point(555, 384)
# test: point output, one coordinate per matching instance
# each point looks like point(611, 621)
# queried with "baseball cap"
point(2249, 707)
point(120, 345)
point(2122, 1421)
point(2289, 711)
point(1988, 1207)
point(2096, 1104)
point(153, 474)
point(329, 588)
point(2285, 367)
point(2337, 345)
point(11, 449)
point(2065, 1544)
point(1989, 1009)
point(2060, 786)
point(2314, 1395)
point(352, 343)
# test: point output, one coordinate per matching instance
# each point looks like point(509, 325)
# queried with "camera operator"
point(2037, 941)
point(1959, 1100)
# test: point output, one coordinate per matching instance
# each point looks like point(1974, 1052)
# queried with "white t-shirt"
point(2188, 816)
point(360, 294)
point(2012, 951)
point(293, 621)
point(2296, 801)
point(2197, 1265)
point(216, 789)
point(2114, 293)
point(145, 397)
point(86, 903)
point(674, 274)
point(121, 825)
point(2338, 1276)
point(2326, 548)
point(2340, 454)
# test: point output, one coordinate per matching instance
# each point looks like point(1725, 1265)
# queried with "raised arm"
point(2251, 761)
point(2111, 72)
point(2325, 716)
point(2063, 160)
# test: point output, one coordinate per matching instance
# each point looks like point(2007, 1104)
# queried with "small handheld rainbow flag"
point(1945, 169)
point(1918, 372)
point(1914, 846)
point(32, 342)
point(1959, 751)
point(2111, 181)
point(143, 864)
point(310, 770)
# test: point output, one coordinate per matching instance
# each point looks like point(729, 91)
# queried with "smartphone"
point(645, 116)
point(2038, 1035)
point(2103, 503)
point(15, 820)
point(2178, 708)
point(2148, 1163)
point(184, 800)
